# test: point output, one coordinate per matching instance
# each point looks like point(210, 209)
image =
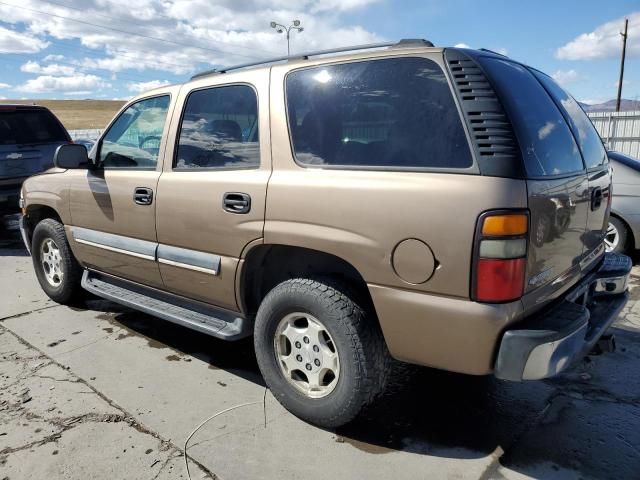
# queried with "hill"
point(79, 114)
point(610, 106)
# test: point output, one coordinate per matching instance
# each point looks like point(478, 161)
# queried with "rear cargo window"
point(547, 144)
point(19, 127)
point(590, 143)
point(391, 113)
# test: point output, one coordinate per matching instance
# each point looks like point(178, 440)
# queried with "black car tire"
point(71, 272)
point(364, 359)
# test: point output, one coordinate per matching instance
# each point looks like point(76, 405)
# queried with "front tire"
point(320, 354)
point(57, 270)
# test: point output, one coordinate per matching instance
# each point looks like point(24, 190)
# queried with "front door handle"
point(236, 202)
point(143, 196)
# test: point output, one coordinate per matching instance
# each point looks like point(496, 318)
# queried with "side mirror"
point(71, 156)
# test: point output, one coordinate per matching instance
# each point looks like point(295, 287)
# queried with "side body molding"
point(177, 257)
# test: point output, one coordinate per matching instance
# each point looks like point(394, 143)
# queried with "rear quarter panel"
point(362, 215)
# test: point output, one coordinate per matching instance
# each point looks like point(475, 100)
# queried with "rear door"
point(212, 192)
point(557, 182)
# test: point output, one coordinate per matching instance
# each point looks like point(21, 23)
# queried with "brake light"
point(500, 257)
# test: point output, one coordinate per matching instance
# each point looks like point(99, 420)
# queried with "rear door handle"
point(143, 196)
point(596, 198)
point(236, 202)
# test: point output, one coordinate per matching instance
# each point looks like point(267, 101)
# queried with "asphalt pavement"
point(98, 391)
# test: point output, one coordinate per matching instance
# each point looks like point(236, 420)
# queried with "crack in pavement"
point(22, 314)
point(66, 424)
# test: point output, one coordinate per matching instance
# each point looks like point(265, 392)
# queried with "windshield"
point(547, 144)
point(19, 127)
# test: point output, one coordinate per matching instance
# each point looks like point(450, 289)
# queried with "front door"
point(211, 195)
point(113, 205)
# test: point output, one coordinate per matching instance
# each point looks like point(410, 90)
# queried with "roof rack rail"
point(304, 56)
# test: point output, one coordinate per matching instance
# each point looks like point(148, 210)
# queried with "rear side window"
point(219, 129)
point(547, 144)
point(390, 113)
point(590, 143)
point(19, 127)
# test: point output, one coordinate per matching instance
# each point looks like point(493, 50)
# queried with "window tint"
point(590, 143)
point(133, 141)
point(19, 127)
point(219, 129)
point(380, 113)
point(547, 145)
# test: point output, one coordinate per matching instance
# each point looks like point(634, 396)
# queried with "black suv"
point(29, 136)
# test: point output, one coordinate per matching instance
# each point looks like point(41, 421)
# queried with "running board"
point(207, 319)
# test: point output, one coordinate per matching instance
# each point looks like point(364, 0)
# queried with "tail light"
point(500, 253)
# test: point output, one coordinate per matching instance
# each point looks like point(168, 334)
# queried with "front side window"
point(219, 129)
point(388, 113)
point(583, 130)
point(133, 141)
point(546, 141)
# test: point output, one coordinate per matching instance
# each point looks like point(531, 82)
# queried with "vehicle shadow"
point(10, 240)
point(235, 357)
point(558, 422)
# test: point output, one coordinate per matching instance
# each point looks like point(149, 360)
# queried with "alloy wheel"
point(307, 355)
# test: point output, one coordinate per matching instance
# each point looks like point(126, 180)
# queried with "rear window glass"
point(547, 145)
point(391, 113)
point(20, 127)
point(590, 143)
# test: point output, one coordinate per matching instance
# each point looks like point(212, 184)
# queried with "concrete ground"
point(99, 391)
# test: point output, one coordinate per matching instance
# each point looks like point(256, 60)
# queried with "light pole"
point(282, 29)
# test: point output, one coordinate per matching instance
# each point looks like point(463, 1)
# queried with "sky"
point(114, 49)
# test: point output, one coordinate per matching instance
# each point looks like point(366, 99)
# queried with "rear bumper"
point(550, 342)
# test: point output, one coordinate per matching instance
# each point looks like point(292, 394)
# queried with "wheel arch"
point(266, 265)
point(35, 213)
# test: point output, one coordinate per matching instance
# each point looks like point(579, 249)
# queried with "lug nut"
point(298, 345)
point(305, 339)
point(299, 358)
point(315, 348)
point(308, 366)
point(317, 362)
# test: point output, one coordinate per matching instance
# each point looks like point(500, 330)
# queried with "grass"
point(79, 114)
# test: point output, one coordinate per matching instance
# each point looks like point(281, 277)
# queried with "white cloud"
point(81, 92)
point(604, 41)
point(188, 34)
point(53, 58)
point(565, 77)
point(139, 87)
point(461, 45)
point(73, 83)
point(501, 51)
point(16, 42)
point(4, 85)
point(52, 69)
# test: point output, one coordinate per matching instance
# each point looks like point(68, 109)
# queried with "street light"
point(282, 29)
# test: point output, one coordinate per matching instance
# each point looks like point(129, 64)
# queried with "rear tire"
point(302, 316)
point(57, 270)
point(617, 236)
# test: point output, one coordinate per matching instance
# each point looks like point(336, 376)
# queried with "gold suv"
point(440, 206)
